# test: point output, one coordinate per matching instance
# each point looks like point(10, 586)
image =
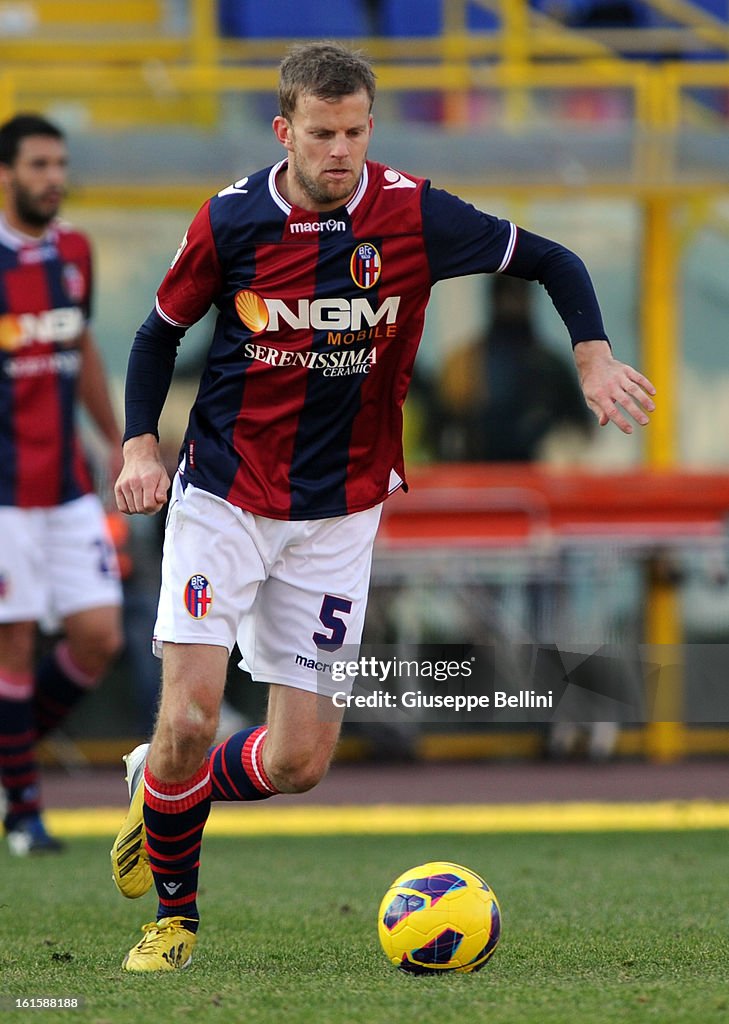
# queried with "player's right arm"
point(185, 295)
point(143, 482)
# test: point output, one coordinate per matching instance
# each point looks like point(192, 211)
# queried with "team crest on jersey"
point(73, 282)
point(198, 596)
point(365, 265)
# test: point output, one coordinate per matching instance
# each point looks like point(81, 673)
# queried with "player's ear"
point(282, 131)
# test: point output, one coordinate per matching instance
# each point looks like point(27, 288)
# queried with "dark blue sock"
point(18, 764)
point(174, 819)
point(59, 686)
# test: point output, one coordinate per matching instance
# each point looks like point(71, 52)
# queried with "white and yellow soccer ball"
point(439, 917)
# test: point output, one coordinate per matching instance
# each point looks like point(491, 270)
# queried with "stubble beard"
point(30, 212)
point(320, 192)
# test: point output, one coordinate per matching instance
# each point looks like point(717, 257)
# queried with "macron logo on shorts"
point(198, 596)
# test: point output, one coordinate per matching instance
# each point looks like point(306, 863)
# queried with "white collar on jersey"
point(287, 207)
point(14, 239)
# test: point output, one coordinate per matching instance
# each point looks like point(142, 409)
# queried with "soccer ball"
point(439, 917)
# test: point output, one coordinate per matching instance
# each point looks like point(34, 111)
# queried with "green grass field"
point(598, 928)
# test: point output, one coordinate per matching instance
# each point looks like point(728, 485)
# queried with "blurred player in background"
point(57, 562)
point(320, 268)
point(505, 395)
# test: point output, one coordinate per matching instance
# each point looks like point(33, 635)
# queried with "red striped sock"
point(236, 767)
point(18, 764)
point(174, 817)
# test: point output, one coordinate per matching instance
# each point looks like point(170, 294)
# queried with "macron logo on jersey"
point(305, 227)
point(236, 189)
point(395, 179)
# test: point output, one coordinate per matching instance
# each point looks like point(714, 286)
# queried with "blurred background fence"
point(601, 124)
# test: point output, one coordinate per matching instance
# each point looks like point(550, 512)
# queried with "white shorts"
point(289, 593)
point(56, 561)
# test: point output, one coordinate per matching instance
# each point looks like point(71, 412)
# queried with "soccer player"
point(320, 268)
point(56, 560)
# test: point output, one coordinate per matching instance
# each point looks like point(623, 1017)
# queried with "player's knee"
point(194, 726)
point(95, 650)
point(17, 642)
point(109, 644)
point(297, 774)
point(183, 736)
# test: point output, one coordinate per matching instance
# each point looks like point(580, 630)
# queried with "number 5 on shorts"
point(328, 616)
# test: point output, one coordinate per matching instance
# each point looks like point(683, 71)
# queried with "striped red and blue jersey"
point(299, 408)
point(45, 296)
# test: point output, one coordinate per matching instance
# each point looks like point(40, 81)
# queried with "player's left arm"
point(93, 391)
point(462, 240)
point(611, 388)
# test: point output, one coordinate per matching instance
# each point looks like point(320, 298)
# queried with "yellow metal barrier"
point(665, 734)
point(145, 68)
point(94, 15)
point(156, 73)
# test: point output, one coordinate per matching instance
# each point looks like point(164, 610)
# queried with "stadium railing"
point(132, 64)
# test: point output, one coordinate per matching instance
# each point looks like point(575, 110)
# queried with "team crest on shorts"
point(198, 596)
point(365, 265)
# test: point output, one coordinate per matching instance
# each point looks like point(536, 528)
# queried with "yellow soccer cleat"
point(129, 859)
point(167, 946)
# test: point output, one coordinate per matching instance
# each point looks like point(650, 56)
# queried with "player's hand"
point(613, 389)
point(143, 482)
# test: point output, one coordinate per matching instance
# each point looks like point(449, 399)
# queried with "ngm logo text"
point(52, 326)
point(331, 314)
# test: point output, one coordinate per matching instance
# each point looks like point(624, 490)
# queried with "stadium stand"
point(291, 18)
